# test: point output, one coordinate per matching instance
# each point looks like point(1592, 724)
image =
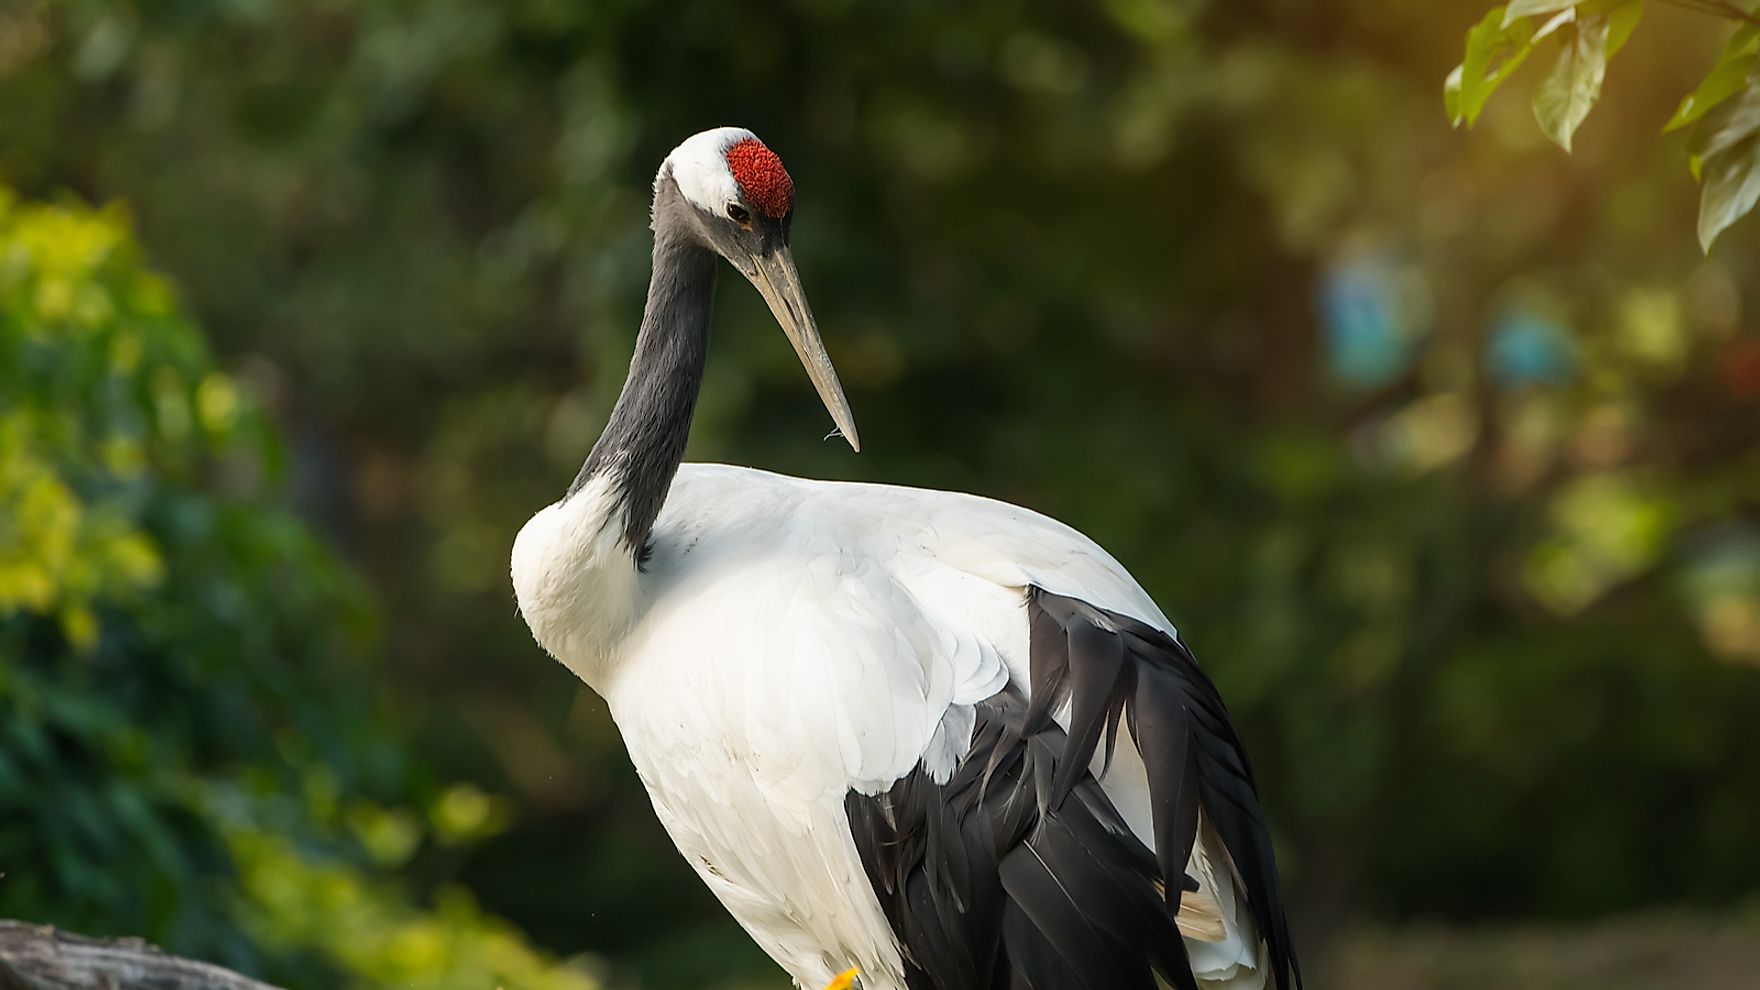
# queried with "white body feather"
point(792, 640)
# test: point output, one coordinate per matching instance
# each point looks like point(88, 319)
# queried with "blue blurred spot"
point(1369, 341)
point(1526, 347)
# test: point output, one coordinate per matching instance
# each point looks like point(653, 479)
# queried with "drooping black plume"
point(1018, 873)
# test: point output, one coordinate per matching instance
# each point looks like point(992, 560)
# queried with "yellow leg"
point(845, 980)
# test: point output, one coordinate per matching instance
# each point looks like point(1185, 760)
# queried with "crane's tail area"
point(1207, 826)
point(1020, 871)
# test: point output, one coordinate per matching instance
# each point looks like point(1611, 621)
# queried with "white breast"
point(575, 581)
point(748, 731)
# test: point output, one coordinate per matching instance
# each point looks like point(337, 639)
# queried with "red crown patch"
point(761, 177)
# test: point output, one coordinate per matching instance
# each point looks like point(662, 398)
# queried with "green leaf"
point(1622, 20)
point(1740, 55)
point(1722, 82)
point(1727, 124)
point(1493, 52)
point(1724, 151)
point(1553, 24)
point(1564, 97)
point(1528, 8)
point(1451, 96)
point(1732, 186)
point(1746, 41)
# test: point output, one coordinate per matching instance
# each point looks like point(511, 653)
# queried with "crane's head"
point(741, 203)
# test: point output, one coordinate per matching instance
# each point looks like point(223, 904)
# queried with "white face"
point(699, 166)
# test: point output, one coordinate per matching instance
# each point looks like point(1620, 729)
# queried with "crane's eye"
point(738, 214)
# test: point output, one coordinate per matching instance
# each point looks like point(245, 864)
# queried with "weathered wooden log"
point(39, 957)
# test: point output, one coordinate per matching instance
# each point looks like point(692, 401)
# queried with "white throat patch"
point(699, 166)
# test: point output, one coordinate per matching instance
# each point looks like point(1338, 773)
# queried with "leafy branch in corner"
point(1723, 147)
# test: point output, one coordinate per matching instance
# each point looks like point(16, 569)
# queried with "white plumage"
point(788, 643)
point(793, 640)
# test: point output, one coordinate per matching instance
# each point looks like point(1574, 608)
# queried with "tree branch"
point(1717, 8)
point(38, 957)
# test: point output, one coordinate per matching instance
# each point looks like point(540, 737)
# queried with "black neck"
point(643, 443)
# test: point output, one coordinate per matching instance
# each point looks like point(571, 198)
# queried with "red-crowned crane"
point(944, 741)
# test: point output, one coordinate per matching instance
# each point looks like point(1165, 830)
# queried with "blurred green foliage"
point(186, 749)
point(1442, 449)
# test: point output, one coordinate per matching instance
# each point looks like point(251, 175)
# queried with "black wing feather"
point(1018, 873)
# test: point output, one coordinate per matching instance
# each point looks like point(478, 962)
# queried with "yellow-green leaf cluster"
point(366, 928)
point(1724, 109)
point(169, 632)
point(1589, 34)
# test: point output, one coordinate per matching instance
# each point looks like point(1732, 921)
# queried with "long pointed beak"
point(780, 284)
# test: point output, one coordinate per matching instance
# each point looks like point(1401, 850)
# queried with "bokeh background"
point(1441, 446)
